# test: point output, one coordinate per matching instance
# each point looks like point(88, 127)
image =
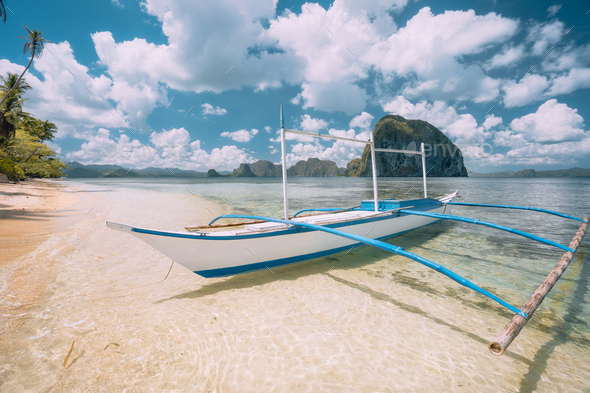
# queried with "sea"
point(119, 316)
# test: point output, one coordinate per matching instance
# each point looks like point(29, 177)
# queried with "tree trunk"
point(7, 129)
point(35, 151)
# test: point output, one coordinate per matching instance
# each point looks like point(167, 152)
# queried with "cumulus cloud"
point(530, 88)
point(461, 128)
point(340, 46)
point(544, 35)
point(491, 121)
point(221, 44)
point(567, 58)
point(311, 124)
point(240, 135)
point(508, 57)
point(66, 94)
point(340, 152)
point(428, 50)
point(554, 134)
point(535, 87)
point(208, 109)
point(216, 46)
point(553, 122)
point(362, 121)
point(332, 97)
point(531, 154)
point(331, 53)
point(135, 89)
point(329, 43)
point(553, 10)
point(172, 149)
point(577, 78)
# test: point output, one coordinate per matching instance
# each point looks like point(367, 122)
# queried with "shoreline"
point(30, 213)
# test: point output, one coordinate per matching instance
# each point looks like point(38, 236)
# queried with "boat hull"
point(214, 256)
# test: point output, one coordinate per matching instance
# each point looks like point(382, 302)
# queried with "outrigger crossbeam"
point(536, 209)
point(505, 338)
point(489, 224)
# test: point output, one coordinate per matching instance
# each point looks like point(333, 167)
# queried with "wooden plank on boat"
point(505, 338)
point(234, 224)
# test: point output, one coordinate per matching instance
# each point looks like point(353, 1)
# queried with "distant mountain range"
point(313, 167)
point(572, 172)
point(77, 170)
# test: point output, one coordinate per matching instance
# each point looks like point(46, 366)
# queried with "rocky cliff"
point(264, 168)
point(353, 169)
point(213, 173)
point(243, 171)
point(315, 167)
point(526, 173)
point(443, 158)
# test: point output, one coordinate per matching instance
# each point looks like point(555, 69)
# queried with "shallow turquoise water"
point(362, 321)
point(510, 264)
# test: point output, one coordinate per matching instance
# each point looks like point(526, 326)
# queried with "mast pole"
point(424, 168)
point(374, 170)
point(284, 165)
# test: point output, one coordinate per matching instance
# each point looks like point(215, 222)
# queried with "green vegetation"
point(23, 152)
point(2, 12)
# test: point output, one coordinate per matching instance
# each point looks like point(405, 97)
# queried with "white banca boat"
point(216, 250)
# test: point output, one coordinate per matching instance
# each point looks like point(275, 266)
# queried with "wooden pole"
point(505, 338)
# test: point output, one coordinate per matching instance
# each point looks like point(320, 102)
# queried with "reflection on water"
point(365, 321)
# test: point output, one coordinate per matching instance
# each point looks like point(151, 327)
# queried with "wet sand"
point(115, 315)
point(29, 213)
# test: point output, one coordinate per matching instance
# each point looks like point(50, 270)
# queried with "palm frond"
point(2, 12)
point(35, 43)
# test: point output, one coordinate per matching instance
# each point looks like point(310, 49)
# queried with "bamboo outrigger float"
point(275, 242)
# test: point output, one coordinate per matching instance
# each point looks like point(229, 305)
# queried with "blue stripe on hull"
point(230, 271)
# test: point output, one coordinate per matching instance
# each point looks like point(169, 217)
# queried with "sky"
point(198, 84)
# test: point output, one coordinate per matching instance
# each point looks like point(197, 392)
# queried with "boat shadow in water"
point(357, 257)
point(418, 311)
point(572, 318)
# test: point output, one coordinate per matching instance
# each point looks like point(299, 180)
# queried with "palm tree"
point(11, 111)
point(35, 47)
point(2, 12)
point(39, 129)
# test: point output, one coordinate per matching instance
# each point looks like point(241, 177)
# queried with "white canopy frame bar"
point(327, 136)
point(370, 142)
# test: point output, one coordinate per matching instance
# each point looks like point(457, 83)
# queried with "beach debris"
point(69, 353)
point(105, 348)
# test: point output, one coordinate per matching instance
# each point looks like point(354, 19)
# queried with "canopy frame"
point(370, 142)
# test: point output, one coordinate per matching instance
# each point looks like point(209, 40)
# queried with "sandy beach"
point(103, 312)
point(29, 213)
